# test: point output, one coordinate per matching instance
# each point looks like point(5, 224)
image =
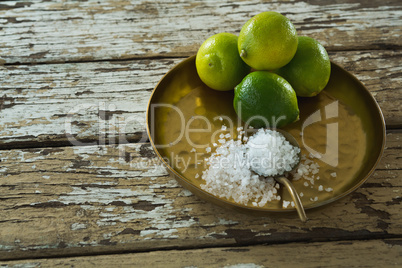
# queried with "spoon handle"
point(299, 206)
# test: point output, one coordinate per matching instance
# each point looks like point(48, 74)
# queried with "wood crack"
point(110, 249)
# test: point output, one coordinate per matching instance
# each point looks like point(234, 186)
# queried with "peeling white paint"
point(98, 195)
point(6, 247)
point(263, 234)
point(105, 183)
point(78, 226)
point(3, 170)
point(101, 223)
point(167, 233)
point(107, 236)
point(226, 222)
point(213, 234)
point(23, 265)
point(185, 193)
point(86, 151)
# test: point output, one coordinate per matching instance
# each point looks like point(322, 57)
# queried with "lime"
point(267, 41)
point(218, 62)
point(265, 99)
point(309, 70)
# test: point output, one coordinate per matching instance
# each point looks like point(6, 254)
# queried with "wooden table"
point(83, 71)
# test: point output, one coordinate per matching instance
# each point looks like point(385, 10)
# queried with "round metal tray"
point(343, 124)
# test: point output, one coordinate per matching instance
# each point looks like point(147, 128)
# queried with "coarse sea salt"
point(230, 168)
point(230, 173)
point(270, 154)
point(285, 203)
point(320, 188)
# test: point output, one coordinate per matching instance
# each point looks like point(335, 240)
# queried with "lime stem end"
point(243, 53)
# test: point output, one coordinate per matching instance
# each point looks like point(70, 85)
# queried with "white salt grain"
point(223, 127)
point(320, 188)
point(333, 174)
point(193, 150)
point(208, 149)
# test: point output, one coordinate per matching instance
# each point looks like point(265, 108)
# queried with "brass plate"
point(343, 123)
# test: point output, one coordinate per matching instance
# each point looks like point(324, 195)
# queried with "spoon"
point(289, 186)
point(281, 178)
point(295, 196)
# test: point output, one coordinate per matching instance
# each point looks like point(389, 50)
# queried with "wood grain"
point(47, 31)
point(82, 72)
point(90, 101)
point(101, 102)
point(375, 253)
point(105, 199)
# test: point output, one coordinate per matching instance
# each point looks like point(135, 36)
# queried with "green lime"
point(267, 41)
point(264, 99)
point(218, 62)
point(309, 70)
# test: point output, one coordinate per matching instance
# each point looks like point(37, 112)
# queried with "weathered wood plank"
point(372, 253)
point(47, 31)
point(90, 101)
point(377, 73)
point(104, 101)
point(105, 199)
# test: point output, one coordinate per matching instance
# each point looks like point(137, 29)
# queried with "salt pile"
point(271, 154)
point(232, 168)
point(229, 172)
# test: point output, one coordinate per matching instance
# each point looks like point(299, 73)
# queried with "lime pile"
point(267, 65)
